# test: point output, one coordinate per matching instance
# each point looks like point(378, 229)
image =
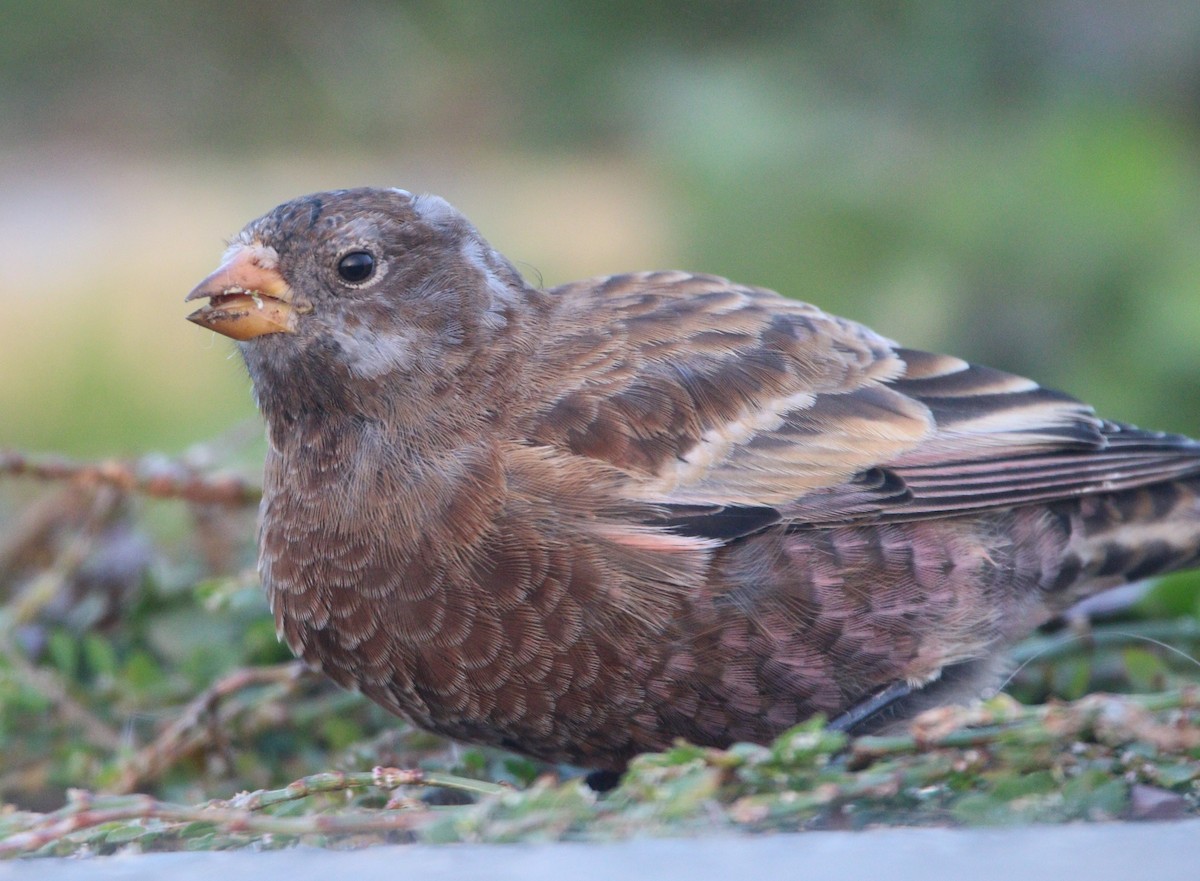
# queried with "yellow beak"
point(247, 299)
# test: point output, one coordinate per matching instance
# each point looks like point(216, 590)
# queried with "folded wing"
point(733, 408)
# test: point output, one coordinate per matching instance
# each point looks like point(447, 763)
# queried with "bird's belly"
point(829, 617)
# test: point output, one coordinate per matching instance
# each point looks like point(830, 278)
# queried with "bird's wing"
point(738, 408)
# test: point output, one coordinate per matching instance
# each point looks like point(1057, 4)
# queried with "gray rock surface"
point(1158, 851)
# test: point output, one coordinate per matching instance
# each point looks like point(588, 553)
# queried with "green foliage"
point(1174, 596)
point(999, 766)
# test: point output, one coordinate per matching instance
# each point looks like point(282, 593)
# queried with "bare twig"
point(192, 729)
point(383, 778)
point(243, 813)
point(94, 812)
point(1173, 632)
point(153, 476)
point(965, 727)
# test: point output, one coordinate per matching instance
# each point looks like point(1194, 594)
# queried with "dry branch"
point(153, 476)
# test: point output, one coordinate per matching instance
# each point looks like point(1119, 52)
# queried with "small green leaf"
point(522, 770)
point(100, 656)
point(808, 744)
point(64, 652)
point(1172, 597)
point(1146, 670)
point(124, 832)
point(142, 671)
point(1172, 776)
point(1071, 677)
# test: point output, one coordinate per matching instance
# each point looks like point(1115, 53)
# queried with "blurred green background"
point(1017, 183)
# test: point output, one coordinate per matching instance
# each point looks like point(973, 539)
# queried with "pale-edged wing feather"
point(724, 403)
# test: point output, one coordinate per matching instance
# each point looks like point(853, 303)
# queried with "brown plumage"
point(582, 522)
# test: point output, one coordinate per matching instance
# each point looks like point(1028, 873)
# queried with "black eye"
point(356, 267)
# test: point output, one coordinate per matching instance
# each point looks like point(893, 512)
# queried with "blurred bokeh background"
point(1018, 183)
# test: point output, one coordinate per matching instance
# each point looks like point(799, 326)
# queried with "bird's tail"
point(1129, 535)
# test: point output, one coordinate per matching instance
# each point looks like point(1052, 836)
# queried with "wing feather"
point(732, 408)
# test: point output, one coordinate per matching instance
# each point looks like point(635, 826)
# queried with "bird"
point(583, 522)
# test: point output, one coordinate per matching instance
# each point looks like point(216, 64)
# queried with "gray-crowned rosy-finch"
point(582, 522)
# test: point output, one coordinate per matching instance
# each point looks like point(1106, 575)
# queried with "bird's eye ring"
point(356, 267)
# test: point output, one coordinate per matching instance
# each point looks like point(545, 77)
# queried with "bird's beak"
point(247, 296)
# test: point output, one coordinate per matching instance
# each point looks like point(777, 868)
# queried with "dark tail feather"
point(1129, 535)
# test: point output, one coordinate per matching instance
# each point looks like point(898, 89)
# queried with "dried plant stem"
point(960, 728)
point(194, 725)
point(383, 778)
point(158, 477)
point(145, 809)
point(242, 814)
point(1173, 632)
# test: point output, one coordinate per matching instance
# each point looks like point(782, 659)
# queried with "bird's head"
point(356, 287)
